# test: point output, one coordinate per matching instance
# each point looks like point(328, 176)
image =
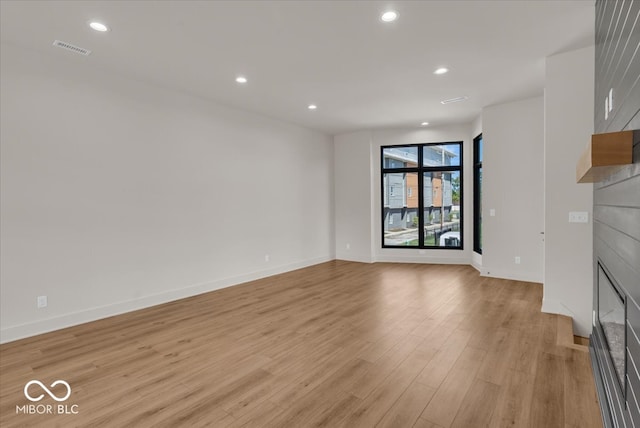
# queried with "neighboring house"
point(400, 189)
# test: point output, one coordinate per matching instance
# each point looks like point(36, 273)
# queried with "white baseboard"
point(355, 258)
point(516, 276)
point(9, 334)
point(423, 259)
point(476, 261)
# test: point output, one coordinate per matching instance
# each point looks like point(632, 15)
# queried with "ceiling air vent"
point(454, 100)
point(72, 48)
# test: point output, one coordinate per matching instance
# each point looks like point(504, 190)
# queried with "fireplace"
point(611, 319)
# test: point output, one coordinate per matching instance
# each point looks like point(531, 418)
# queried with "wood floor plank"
point(341, 361)
point(438, 368)
point(407, 409)
point(496, 365)
point(385, 395)
point(547, 405)
point(423, 423)
point(478, 405)
point(513, 407)
point(385, 366)
point(579, 413)
point(448, 398)
point(256, 416)
point(336, 344)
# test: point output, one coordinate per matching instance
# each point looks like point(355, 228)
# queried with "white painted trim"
point(423, 259)
point(516, 276)
point(22, 331)
point(476, 261)
point(355, 258)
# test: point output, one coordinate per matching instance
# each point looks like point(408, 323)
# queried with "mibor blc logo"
point(55, 392)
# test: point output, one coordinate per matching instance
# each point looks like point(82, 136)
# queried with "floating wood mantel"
point(606, 154)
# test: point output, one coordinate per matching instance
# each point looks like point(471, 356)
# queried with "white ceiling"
point(361, 72)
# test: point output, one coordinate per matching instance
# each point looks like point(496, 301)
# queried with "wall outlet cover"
point(42, 302)
point(578, 217)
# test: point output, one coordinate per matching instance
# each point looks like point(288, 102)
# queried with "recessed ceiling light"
point(454, 100)
point(312, 106)
point(424, 123)
point(241, 79)
point(98, 26)
point(389, 16)
point(441, 70)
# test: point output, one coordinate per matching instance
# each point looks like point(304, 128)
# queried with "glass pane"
point(400, 220)
point(612, 315)
point(480, 150)
point(479, 222)
point(442, 209)
point(441, 155)
point(400, 157)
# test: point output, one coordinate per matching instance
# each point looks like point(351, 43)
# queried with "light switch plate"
point(578, 217)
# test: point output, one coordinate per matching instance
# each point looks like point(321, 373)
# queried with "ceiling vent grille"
point(72, 48)
point(454, 100)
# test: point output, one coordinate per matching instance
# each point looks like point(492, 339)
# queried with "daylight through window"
point(422, 196)
point(477, 194)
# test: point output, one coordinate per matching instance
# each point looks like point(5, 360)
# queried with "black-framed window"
point(477, 194)
point(422, 195)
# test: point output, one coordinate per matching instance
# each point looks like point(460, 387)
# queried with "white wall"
point(513, 186)
point(390, 137)
point(118, 195)
point(353, 196)
point(568, 128)
point(357, 189)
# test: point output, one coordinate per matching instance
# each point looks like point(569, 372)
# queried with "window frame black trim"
point(420, 169)
point(477, 214)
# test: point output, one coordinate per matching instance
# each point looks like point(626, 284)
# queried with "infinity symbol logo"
point(51, 394)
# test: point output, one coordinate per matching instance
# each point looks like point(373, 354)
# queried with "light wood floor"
point(337, 345)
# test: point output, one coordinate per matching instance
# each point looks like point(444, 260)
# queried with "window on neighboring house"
point(477, 194)
point(430, 211)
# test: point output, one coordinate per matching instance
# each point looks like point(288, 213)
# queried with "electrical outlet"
point(611, 100)
point(42, 302)
point(517, 260)
point(266, 257)
point(492, 212)
point(578, 217)
point(348, 246)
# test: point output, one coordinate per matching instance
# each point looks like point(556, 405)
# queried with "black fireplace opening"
point(611, 317)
